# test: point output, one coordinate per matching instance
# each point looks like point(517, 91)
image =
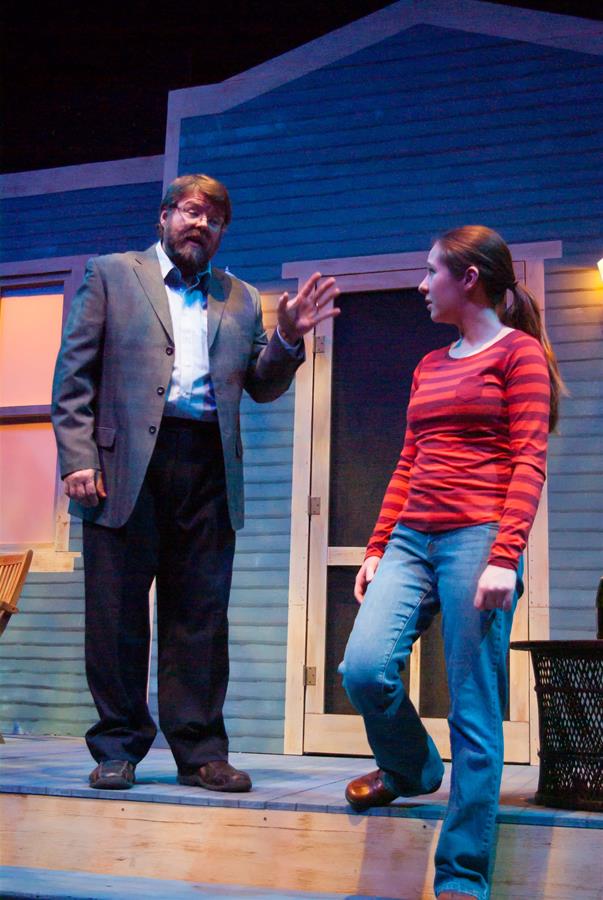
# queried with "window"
point(34, 298)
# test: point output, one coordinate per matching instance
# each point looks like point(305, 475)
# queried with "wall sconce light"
point(600, 265)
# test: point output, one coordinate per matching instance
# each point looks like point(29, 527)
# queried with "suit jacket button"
point(152, 429)
point(169, 351)
point(160, 391)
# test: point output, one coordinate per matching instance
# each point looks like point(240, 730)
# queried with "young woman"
point(452, 527)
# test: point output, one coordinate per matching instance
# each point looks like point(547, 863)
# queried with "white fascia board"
point(138, 170)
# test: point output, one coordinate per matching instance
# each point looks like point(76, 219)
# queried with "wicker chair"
point(13, 571)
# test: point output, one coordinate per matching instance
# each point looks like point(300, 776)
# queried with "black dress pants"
point(180, 533)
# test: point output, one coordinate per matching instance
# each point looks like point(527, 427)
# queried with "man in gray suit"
point(155, 355)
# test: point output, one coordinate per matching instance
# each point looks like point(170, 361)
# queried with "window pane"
point(30, 334)
point(28, 461)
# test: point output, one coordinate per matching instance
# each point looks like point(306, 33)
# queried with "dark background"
point(89, 82)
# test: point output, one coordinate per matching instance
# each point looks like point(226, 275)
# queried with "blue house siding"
point(255, 704)
point(92, 220)
point(44, 688)
point(575, 323)
point(425, 130)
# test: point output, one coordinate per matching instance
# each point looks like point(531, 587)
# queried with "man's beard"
point(190, 256)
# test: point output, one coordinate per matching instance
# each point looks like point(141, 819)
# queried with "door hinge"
point(319, 343)
point(309, 675)
point(313, 506)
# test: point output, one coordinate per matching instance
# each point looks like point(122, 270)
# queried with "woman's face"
point(443, 292)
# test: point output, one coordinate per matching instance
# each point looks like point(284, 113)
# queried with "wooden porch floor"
point(60, 766)
point(45, 798)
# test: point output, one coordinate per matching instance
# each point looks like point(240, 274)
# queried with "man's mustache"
point(197, 237)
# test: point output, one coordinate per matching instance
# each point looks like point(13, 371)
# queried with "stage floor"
point(60, 766)
point(293, 837)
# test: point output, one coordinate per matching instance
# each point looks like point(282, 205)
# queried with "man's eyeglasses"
point(191, 213)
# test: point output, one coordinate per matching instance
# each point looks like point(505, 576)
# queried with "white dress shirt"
point(190, 393)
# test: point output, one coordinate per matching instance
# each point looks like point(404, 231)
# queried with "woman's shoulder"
point(523, 353)
point(435, 355)
point(520, 342)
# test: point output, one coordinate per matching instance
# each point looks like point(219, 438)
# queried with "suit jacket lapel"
point(216, 302)
point(148, 273)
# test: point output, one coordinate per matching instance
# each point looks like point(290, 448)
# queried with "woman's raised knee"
point(363, 682)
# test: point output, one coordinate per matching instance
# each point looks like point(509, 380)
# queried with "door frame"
point(392, 271)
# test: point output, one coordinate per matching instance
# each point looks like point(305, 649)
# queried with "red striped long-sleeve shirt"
point(475, 446)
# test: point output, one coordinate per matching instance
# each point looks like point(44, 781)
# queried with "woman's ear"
point(471, 276)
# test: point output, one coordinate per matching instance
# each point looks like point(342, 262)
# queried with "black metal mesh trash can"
point(569, 688)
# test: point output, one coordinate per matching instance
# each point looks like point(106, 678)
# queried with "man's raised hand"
point(311, 305)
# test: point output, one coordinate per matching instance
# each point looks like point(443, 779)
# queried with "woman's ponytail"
point(524, 314)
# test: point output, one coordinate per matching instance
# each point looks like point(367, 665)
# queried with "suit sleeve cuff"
point(285, 343)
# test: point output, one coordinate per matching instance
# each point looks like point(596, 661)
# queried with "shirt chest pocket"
point(476, 386)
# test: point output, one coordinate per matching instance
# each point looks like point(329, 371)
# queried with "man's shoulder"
point(225, 275)
point(232, 283)
point(128, 258)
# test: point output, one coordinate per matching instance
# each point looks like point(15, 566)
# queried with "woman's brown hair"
point(476, 245)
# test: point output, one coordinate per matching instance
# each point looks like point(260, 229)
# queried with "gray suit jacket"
point(114, 367)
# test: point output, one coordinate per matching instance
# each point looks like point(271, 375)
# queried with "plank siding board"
point(442, 62)
point(41, 666)
point(95, 220)
point(254, 708)
point(576, 463)
point(414, 116)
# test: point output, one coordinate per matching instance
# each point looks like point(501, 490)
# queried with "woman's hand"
point(495, 588)
point(365, 575)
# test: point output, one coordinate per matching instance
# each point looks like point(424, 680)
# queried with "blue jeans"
point(419, 575)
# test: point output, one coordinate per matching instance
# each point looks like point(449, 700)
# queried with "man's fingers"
point(100, 486)
point(325, 292)
point(309, 285)
point(328, 314)
point(89, 493)
point(90, 487)
point(81, 486)
point(318, 294)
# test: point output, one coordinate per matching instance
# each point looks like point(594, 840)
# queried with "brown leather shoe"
point(368, 790)
point(113, 775)
point(218, 775)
